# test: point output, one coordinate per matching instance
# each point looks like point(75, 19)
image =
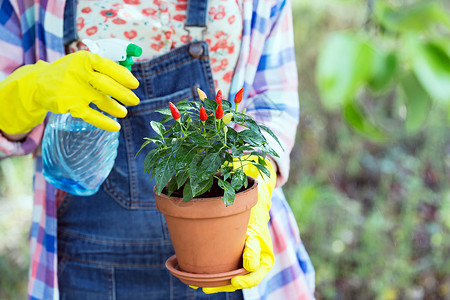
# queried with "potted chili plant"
point(200, 184)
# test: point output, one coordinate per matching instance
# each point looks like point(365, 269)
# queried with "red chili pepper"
point(203, 115)
point(174, 111)
point(219, 97)
point(238, 96)
point(219, 111)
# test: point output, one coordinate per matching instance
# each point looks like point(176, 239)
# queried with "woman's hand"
point(69, 84)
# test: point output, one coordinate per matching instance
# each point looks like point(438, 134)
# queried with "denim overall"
point(114, 244)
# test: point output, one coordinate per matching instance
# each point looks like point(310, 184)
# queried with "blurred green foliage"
point(400, 55)
point(15, 219)
point(371, 203)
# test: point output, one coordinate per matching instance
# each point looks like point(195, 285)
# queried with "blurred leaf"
point(431, 63)
point(197, 138)
point(417, 102)
point(187, 192)
point(163, 172)
point(172, 186)
point(419, 16)
point(344, 65)
point(358, 121)
point(151, 157)
point(229, 193)
point(158, 128)
point(384, 70)
point(238, 179)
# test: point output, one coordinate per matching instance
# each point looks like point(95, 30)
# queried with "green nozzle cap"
point(132, 50)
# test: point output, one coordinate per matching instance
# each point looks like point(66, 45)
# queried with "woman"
point(114, 243)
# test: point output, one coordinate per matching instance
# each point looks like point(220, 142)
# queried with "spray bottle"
point(77, 156)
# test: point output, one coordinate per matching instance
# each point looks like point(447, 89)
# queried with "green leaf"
point(210, 164)
point(239, 118)
point(252, 125)
point(158, 128)
point(236, 152)
point(176, 144)
point(226, 172)
point(202, 187)
point(142, 147)
point(176, 127)
point(184, 157)
point(384, 70)
point(182, 177)
point(232, 135)
point(359, 122)
point(195, 176)
point(270, 132)
point(154, 139)
point(164, 171)
point(344, 65)
point(226, 105)
point(164, 111)
point(431, 65)
point(166, 119)
point(172, 186)
point(418, 17)
point(198, 187)
point(261, 168)
point(246, 148)
point(253, 138)
point(198, 139)
point(184, 106)
point(417, 102)
point(266, 148)
point(187, 192)
point(229, 193)
point(210, 105)
point(238, 179)
point(261, 157)
point(150, 159)
point(186, 118)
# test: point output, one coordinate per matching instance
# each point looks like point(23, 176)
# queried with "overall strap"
point(196, 18)
point(196, 13)
point(70, 22)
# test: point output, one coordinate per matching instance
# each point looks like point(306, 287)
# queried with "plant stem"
point(225, 139)
point(181, 126)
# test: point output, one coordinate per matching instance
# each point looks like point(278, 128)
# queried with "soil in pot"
point(215, 191)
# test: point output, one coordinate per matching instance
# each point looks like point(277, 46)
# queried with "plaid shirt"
point(33, 30)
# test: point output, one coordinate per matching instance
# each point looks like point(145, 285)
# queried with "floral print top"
point(158, 26)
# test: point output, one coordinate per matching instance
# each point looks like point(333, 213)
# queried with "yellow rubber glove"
point(69, 84)
point(258, 255)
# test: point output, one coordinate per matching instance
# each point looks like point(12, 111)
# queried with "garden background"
point(370, 173)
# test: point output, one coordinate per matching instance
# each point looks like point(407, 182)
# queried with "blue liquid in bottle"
point(77, 156)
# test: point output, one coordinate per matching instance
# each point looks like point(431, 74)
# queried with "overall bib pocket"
point(125, 183)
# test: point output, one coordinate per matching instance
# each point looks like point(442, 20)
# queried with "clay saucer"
point(202, 280)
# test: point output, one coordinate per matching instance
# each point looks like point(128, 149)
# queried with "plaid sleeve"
point(273, 92)
point(9, 148)
point(12, 54)
point(12, 57)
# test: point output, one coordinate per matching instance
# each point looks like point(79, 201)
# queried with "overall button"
point(196, 50)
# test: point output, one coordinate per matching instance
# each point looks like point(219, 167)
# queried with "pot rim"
point(214, 206)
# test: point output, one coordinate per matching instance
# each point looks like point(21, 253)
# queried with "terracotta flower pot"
point(207, 236)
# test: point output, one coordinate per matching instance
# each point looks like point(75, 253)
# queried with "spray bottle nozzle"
point(132, 50)
point(115, 49)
